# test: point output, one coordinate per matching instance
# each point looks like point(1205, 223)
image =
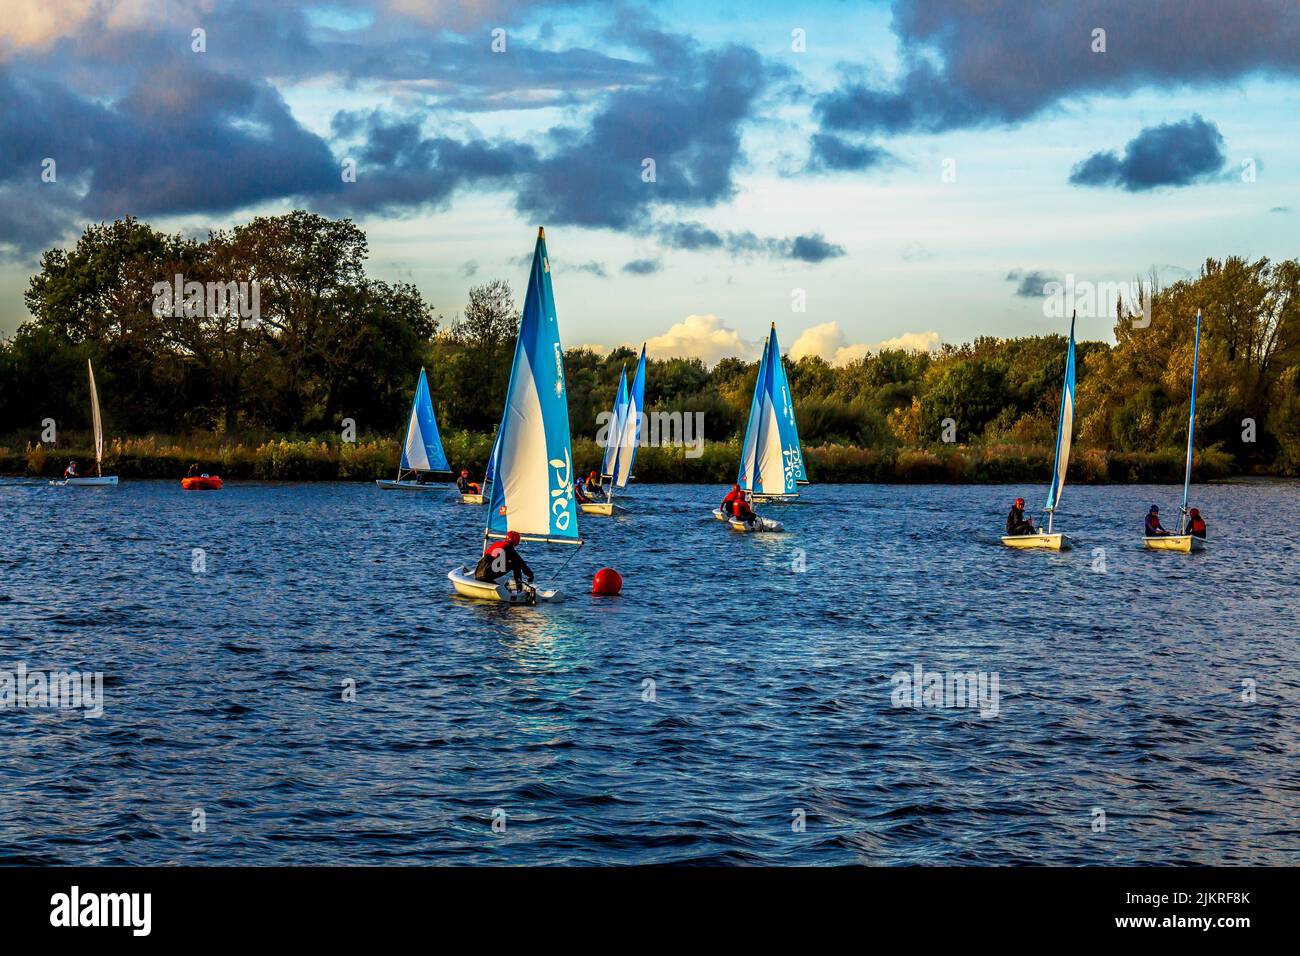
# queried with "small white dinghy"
point(1184, 543)
point(100, 480)
point(717, 513)
point(1050, 542)
point(1046, 540)
point(422, 450)
point(759, 524)
point(389, 484)
point(606, 508)
point(466, 585)
point(473, 500)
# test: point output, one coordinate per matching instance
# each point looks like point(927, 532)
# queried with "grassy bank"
point(328, 459)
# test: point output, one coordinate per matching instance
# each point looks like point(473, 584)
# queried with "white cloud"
point(703, 337)
point(827, 342)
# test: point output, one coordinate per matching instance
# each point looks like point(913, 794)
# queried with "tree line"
point(329, 343)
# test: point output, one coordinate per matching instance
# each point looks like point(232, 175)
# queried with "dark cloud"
point(643, 267)
point(593, 267)
point(971, 64)
point(833, 154)
point(692, 236)
point(1174, 154)
point(399, 169)
point(1030, 284)
point(689, 127)
point(186, 140)
point(813, 248)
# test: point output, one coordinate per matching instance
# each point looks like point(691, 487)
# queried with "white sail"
point(94, 415)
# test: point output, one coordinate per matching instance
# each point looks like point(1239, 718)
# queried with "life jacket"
point(1197, 526)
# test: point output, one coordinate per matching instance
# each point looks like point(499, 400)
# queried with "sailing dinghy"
point(1185, 543)
point(622, 441)
point(770, 455)
point(100, 478)
point(532, 486)
point(1064, 432)
point(422, 451)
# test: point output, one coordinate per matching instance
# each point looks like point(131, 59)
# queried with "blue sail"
point(1064, 428)
point(630, 428)
point(615, 427)
point(1191, 425)
point(532, 488)
point(768, 460)
point(790, 447)
point(422, 450)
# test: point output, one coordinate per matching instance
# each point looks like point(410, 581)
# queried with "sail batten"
point(532, 481)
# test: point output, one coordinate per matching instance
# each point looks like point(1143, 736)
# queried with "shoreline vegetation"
point(265, 386)
point(330, 459)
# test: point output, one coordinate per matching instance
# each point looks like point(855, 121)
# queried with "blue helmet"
point(1155, 509)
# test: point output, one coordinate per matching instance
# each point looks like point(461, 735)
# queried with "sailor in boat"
point(1017, 522)
point(742, 510)
point(1195, 524)
point(732, 495)
point(465, 486)
point(70, 471)
point(593, 486)
point(1153, 527)
point(500, 558)
point(580, 491)
point(194, 471)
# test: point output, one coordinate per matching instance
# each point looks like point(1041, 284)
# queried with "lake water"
point(1146, 711)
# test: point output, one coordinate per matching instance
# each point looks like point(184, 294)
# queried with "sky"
point(862, 174)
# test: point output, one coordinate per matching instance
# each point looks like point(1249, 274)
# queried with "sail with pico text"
point(532, 484)
point(770, 458)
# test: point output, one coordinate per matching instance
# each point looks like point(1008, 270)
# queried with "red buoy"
point(607, 582)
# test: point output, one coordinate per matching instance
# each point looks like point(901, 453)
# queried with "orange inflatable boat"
point(202, 483)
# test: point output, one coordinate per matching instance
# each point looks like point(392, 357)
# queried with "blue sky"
point(820, 170)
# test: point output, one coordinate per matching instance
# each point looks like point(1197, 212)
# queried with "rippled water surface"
point(1121, 682)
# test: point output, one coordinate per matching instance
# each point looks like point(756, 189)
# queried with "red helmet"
point(1194, 513)
point(464, 472)
point(512, 538)
point(1020, 502)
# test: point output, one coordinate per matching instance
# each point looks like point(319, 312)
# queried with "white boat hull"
point(473, 499)
point(717, 513)
point(773, 499)
point(1046, 542)
point(1186, 543)
point(390, 485)
point(757, 525)
point(98, 482)
point(606, 508)
point(467, 585)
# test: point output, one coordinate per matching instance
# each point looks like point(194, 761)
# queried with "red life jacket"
point(1198, 525)
point(494, 547)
